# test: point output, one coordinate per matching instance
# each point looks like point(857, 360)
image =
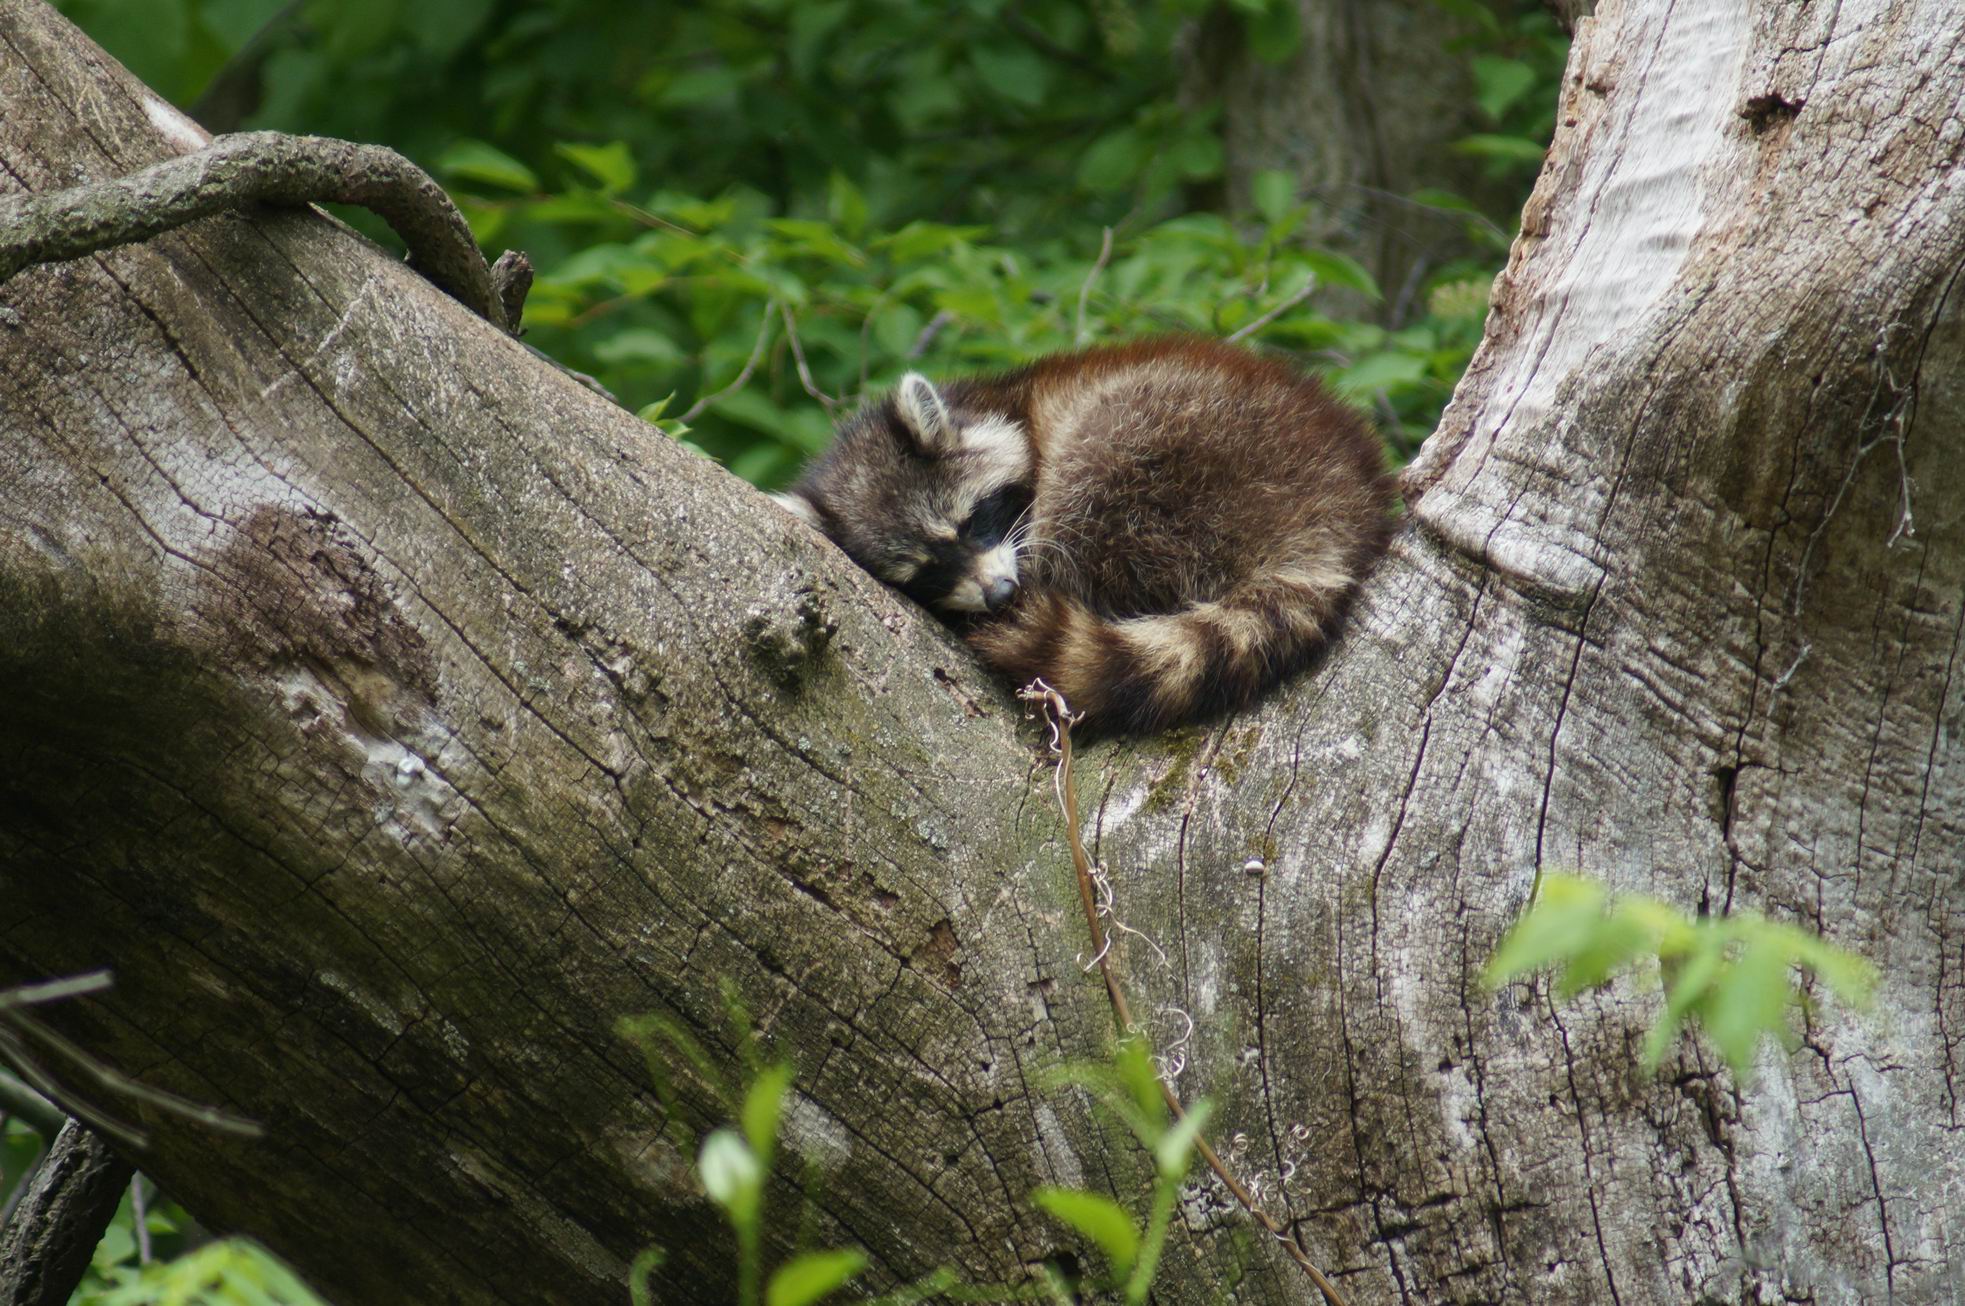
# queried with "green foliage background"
point(849, 188)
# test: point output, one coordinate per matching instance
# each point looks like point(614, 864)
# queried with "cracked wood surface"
point(393, 715)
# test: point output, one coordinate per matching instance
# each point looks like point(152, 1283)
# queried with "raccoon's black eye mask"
point(951, 561)
point(993, 517)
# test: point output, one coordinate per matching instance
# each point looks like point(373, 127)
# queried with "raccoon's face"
point(926, 495)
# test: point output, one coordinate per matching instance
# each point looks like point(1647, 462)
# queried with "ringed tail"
point(1145, 673)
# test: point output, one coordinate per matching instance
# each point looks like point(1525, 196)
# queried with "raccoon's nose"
point(998, 593)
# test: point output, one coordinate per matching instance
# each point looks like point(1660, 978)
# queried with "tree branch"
point(46, 1243)
point(274, 168)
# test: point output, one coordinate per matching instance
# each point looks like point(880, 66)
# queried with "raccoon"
point(1161, 530)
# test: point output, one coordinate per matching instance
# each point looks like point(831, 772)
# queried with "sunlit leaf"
point(1379, 371)
point(1100, 1220)
point(1751, 1001)
point(469, 160)
point(1564, 909)
point(1176, 1147)
point(811, 1276)
point(1335, 269)
point(640, 346)
point(1512, 149)
point(1499, 82)
point(611, 165)
point(1687, 985)
point(1272, 191)
point(764, 1105)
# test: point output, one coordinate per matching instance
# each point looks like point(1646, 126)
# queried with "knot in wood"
point(786, 640)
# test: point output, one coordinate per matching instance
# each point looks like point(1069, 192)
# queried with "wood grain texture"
point(393, 715)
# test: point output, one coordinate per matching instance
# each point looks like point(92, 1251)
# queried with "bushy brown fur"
point(1197, 517)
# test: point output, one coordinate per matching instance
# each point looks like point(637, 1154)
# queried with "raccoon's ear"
point(924, 414)
point(799, 506)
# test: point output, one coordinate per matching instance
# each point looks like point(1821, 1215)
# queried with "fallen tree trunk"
point(393, 716)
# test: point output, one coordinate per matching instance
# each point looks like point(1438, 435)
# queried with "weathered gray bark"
point(393, 715)
point(48, 1238)
point(258, 167)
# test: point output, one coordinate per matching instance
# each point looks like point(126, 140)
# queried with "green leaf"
point(443, 27)
point(805, 428)
point(1113, 160)
point(811, 1276)
point(764, 1106)
point(1176, 1147)
point(1612, 944)
point(1732, 973)
point(1104, 1082)
point(1198, 156)
point(697, 87)
point(645, 1263)
point(234, 22)
point(1133, 1063)
point(926, 95)
point(1377, 372)
point(1850, 977)
point(1272, 191)
point(1509, 149)
point(639, 347)
point(1565, 908)
point(1499, 82)
point(611, 165)
point(1751, 1000)
point(469, 160)
point(1100, 1220)
point(1275, 32)
point(1688, 982)
point(1434, 197)
point(1338, 270)
point(1015, 72)
point(977, 304)
point(919, 240)
point(928, 1287)
point(767, 465)
point(802, 235)
point(846, 205)
point(580, 208)
point(811, 23)
point(896, 327)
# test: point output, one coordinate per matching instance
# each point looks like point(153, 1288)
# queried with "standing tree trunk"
point(1364, 111)
point(393, 716)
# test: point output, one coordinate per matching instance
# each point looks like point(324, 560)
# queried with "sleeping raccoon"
point(1160, 529)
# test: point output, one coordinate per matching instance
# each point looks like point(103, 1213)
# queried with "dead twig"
point(750, 365)
point(268, 168)
point(1079, 335)
point(1250, 328)
point(798, 357)
point(1060, 718)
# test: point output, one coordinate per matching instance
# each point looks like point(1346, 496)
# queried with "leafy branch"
point(1731, 974)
